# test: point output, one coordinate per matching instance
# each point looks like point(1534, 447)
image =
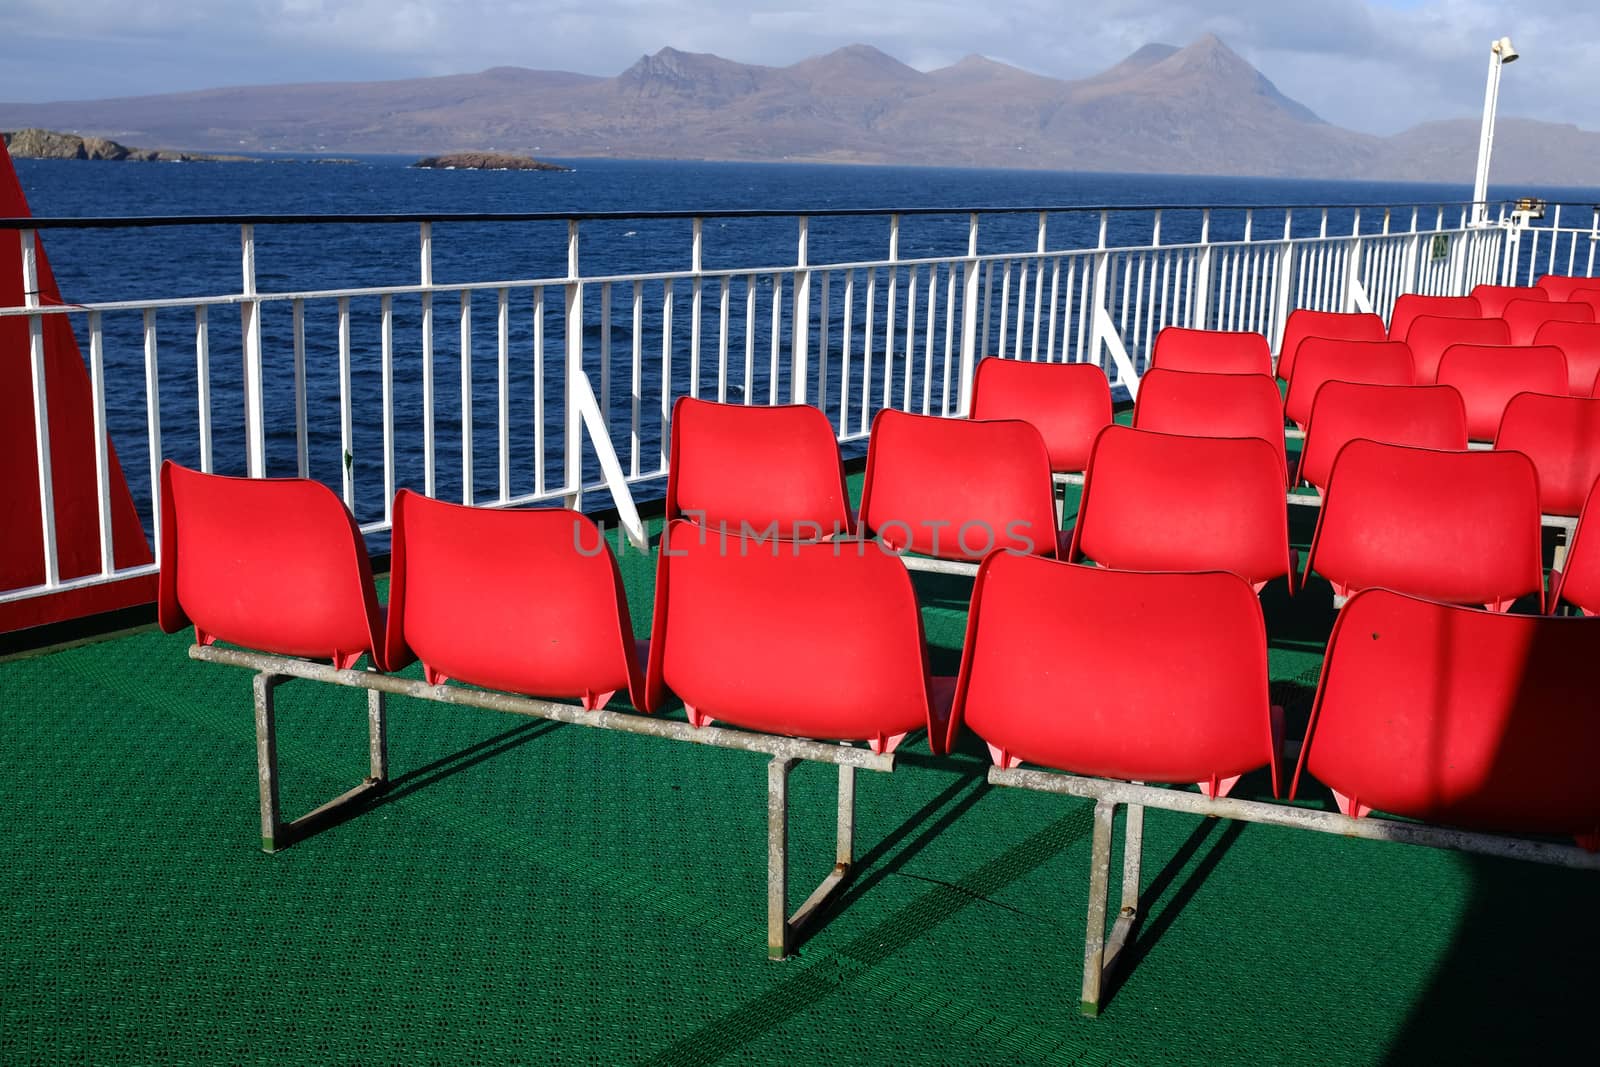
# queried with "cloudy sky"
point(1374, 65)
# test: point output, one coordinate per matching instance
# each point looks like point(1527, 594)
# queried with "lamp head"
point(1505, 50)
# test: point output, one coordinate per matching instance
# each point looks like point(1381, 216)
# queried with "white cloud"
point(1378, 65)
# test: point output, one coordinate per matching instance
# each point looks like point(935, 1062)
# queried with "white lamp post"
point(1501, 52)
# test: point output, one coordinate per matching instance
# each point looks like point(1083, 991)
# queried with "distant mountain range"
point(1195, 110)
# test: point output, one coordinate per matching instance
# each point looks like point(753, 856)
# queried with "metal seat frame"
point(784, 930)
point(1102, 954)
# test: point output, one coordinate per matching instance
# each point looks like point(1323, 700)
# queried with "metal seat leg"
point(784, 929)
point(1101, 955)
point(275, 833)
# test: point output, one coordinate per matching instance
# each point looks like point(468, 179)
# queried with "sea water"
point(205, 260)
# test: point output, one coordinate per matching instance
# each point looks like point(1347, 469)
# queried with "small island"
point(50, 144)
point(485, 161)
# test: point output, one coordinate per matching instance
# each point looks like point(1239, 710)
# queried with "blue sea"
point(194, 261)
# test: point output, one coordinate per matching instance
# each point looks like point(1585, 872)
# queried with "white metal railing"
point(583, 368)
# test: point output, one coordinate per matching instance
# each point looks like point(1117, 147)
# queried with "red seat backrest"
point(1322, 360)
point(1066, 402)
point(1458, 716)
point(1167, 502)
point(1579, 580)
point(1580, 343)
point(1492, 299)
point(275, 564)
point(1410, 306)
point(1462, 527)
point(733, 464)
point(1488, 376)
point(1422, 416)
point(1338, 325)
point(957, 488)
point(1524, 317)
point(1430, 335)
point(1562, 286)
point(1049, 676)
point(1590, 297)
point(810, 639)
point(525, 600)
point(1211, 405)
point(1561, 434)
point(1213, 351)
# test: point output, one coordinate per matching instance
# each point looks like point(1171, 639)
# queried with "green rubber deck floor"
point(537, 893)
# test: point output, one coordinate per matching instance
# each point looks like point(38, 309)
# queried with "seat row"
point(1356, 397)
point(1453, 525)
point(532, 601)
point(1477, 356)
point(1425, 710)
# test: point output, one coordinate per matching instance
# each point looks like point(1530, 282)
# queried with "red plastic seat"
point(1580, 343)
point(957, 488)
point(526, 601)
point(1431, 334)
point(1211, 405)
point(1461, 527)
point(1422, 416)
point(1067, 403)
point(1561, 434)
point(1524, 317)
point(1492, 299)
point(1167, 502)
point(1049, 675)
point(1455, 716)
point(1562, 286)
point(1587, 296)
point(1578, 582)
point(1322, 360)
point(1213, 351)
point(1488, 376)
point(766, 467)
point(806, 639)
point(1337, 325)
point(1411, 306)
point(274, 564)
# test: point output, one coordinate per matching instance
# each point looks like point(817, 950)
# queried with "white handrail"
point(851, 335)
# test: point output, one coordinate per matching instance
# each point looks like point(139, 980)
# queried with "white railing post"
point(573, 445)
point(1105, 342)
point(255, 418)
point(583, 402)
point(1101, 315)
point(386, 373)
point(1281, 298)
point(428, 447)
point(969, 316)
point(1411, 264)
point(696, 264)
point(1458, 259)
point(102, 458)
point(302, 440)
point(889, 311)
point(1555, 240)
point(41, 407)
point(347, 445)
point(465, 325)
point(152, 417)
point(801, 331)
point(1200, 312)
point(1038, 285)
point(202, 381)
point(1512, 250)
point(1352, 267)
point(503, 387)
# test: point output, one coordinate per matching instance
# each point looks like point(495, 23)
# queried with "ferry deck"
point(539, 892)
